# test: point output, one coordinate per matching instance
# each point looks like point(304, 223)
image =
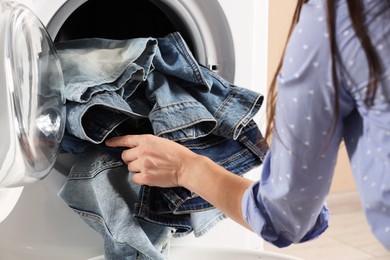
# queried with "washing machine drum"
point(32, 104)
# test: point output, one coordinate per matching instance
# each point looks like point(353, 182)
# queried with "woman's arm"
point(160, 162)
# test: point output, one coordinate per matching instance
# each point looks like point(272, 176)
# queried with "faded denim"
point(175, 98)
point(99, 189)
point(181, 99)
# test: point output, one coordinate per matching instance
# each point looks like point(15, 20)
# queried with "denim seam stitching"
point(186, 126)
point(174, 104)
point(95, 172)
point(182, 48)
point(97, 219)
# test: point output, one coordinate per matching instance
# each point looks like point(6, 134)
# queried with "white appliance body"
point(229, 36)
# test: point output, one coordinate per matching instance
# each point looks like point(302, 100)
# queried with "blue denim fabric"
point(231, 107)
point(203, 221)
point(178, 100)
point(182, 99)
point(95, 65)
point(99, 76)
point(99, 189)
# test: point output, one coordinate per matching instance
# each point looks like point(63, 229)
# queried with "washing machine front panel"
point(31, 98)
point(53, 231)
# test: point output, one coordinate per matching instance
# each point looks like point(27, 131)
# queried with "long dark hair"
point(357, 19)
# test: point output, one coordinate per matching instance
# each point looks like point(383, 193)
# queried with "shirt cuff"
point(255, 214)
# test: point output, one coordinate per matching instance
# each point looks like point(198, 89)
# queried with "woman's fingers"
point(133, 167)
point(129, 155)
point(123, 141)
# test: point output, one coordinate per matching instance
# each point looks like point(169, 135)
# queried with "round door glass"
point(32, 104)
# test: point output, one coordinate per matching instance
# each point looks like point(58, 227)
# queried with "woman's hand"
point(155, 161)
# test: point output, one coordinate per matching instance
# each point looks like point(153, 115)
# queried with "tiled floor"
point(347, 238)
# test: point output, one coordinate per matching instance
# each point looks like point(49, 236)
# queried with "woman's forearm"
point(218, 186)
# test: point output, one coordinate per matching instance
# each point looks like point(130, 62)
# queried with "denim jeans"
point(100, 191)
point(96, 86)
point(181, 99)
point(173, 97)
point(95, 65)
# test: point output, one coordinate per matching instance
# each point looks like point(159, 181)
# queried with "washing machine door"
point(32, 104)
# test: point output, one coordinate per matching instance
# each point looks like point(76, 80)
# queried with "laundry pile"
point(148, 86)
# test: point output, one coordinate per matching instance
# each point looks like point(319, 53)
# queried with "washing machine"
point(227, 36)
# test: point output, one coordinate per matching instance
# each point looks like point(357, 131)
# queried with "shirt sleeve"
point(265, 220)
point(287, 205)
